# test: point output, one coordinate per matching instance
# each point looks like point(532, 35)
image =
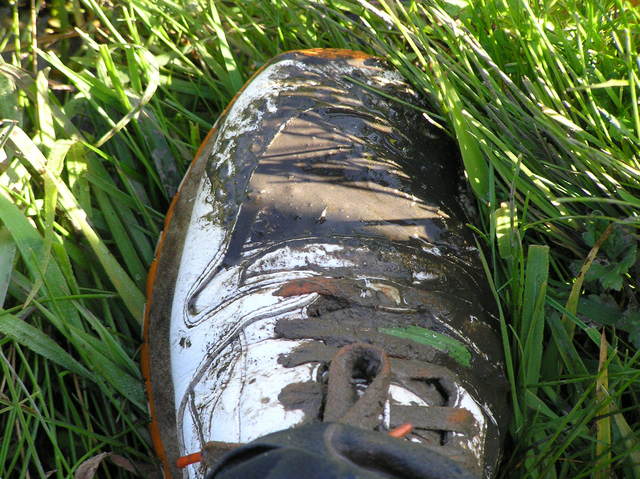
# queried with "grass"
point(103, 107)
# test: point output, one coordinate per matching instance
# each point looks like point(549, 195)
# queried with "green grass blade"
point(235, 76)
point(7, 261)
point(532, 323)
point(129, 292)
point(34, 339)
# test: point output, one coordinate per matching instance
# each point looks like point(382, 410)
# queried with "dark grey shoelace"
point(362, 361)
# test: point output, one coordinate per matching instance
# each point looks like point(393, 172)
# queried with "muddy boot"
point(315, 277)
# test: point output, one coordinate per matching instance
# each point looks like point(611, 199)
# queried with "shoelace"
point(358, 360)
point(366, 409)
point(354, 403)
point(362, 358)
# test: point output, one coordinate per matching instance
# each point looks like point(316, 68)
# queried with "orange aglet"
point(189, 459)
point(401, 430)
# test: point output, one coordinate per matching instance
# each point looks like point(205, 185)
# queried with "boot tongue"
point(334, 451)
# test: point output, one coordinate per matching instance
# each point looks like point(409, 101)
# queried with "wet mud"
point(332, 163)
point(305, 396)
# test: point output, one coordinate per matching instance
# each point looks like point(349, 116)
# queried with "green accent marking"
point(442, 342)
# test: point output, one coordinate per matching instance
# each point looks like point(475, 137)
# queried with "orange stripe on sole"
point(401, 431)
point(333, 53)
point(189, 459)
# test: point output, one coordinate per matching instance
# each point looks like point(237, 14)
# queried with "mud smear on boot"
point(307, 397)
point(303, 143)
